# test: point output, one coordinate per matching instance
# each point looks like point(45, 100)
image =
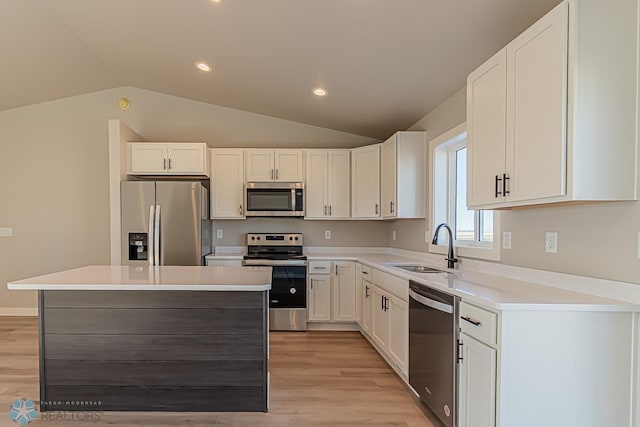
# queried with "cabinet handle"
point(325, 210)
point(336, 269)
point(470, 320)
point(366, 291)
point(240, 209)
point(505, 178)
point(386, 305)
point(497, 191)
point(319, 268)
point(391, 207)
point(164, 164)
point(364, 272)
point(169, 163)
point(329, 210)
point(276, 173)
point(271, 173)
point(382, 303)
point(459, 351)
point(311, 283)
point(377, 211)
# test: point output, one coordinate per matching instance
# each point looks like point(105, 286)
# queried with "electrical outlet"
point(327, 234)
point(506, 240)
point(6, 232)
point(219, 234)
point(393, 235)
point(551, 242)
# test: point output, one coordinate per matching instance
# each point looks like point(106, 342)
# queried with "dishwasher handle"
point(431, 303)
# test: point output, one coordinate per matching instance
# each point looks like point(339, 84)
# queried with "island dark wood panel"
point(153, 350)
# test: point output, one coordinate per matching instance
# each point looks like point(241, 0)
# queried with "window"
point(475, 232)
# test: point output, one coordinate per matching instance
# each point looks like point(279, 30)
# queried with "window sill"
point(491, 253)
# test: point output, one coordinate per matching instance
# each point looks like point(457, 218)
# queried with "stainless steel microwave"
point(274, 199)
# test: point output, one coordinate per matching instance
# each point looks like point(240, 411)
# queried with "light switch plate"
point(327, 234)
point(393, 235)
point(219, 234)
point(506, 240)
point(6, 232)
point(551, 242)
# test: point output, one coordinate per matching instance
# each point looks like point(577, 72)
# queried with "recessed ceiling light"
point(216, 1)
point(203, 66)
point(319, 91)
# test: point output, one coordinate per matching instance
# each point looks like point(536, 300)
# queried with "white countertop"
point(163, 278)
point(491, 291)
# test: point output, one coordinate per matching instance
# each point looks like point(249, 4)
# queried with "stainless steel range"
point(288, 295)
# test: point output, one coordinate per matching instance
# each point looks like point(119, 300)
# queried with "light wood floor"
point(317, 379)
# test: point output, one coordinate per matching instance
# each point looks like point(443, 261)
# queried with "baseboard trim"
point(326, 326)
point(18, 311)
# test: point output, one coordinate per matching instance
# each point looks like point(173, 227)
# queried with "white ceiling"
point(385, 63)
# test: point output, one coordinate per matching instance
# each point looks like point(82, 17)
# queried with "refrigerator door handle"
point(156, 237)
point(151, 243)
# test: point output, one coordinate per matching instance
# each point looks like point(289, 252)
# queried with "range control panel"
point(274, 239)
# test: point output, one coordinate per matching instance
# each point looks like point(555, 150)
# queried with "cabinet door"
point(486, 130)
point(187, 159)
point(388, 174)
point(260, 165)
point(365, 182)
point(344, 291)
point(477, 384)
point(227, 183)
point(379, 319)
point(537, 108)
point(359, 294)
point(320, 298)
point(399, 332)
point(288, 166)
point(367, 299)
point(316, 185)
point(147, 158)
point(339, 183)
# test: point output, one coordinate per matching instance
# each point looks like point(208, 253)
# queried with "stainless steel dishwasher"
point(433, 335)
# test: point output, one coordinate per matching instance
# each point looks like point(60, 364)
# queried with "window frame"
point(442, 200)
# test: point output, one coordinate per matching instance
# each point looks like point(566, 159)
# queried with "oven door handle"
point(270, 263)
point(430, 303)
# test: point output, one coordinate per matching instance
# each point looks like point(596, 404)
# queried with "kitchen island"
point(117, 338)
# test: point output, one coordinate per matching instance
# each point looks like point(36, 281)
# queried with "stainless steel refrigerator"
point(165, 223)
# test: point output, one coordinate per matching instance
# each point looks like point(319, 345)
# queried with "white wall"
point(597, 240)
point(55, 178)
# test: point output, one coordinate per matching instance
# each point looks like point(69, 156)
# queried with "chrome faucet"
point(451, 259)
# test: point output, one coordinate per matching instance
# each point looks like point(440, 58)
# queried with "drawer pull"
point(470, 320)
point(319, 268)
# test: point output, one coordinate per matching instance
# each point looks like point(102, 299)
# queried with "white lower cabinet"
point(332, 291)
point(390, 327)
point(319, 298)
point(367, 305)
point(552, 367)
point(476, 384)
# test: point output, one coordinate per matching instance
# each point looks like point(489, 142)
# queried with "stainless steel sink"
point(415, 268)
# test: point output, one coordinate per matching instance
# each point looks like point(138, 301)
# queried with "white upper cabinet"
point(274, 165)
point(486, 127)
point(549, 119)
point(365, 182)
point(327, 186)
point(227, 183)
point(403, 175)
point(180, 158)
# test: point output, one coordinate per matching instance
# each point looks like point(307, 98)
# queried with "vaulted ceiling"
point(385, 63)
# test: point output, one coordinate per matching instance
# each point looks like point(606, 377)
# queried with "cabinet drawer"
point(392, 284)
point(366, 273)
point(320, 267)
point(478, 323)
